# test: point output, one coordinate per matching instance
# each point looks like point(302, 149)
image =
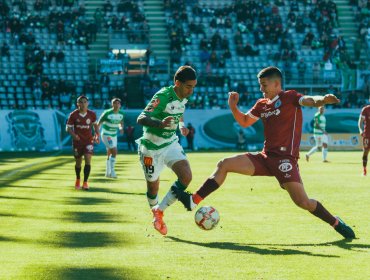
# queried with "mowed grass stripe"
point(50, 231)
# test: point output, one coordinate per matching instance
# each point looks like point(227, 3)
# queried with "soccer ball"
point(207, 217)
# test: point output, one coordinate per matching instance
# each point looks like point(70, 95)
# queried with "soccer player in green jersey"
point(320, 135)
point(159, 144)
point(110, 121)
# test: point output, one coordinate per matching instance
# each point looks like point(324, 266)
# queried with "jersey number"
point(149, 169)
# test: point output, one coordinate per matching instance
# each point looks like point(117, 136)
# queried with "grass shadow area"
point(90, 217)
point(74, 239)
point(99, 273)
point(261, 249)
point(87, 200)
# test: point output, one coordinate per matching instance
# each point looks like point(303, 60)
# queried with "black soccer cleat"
point(344, 230)
point(184, 197)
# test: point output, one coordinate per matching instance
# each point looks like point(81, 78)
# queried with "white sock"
point(324, 153)
point(112, 163)
point(313, 150)
point(107, 167)
point(168, 200)
point(152, 201)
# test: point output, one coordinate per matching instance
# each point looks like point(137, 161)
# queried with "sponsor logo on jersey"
point(154, 103)
point(148, 161)
point(83, 126)
point(271, 113)
point(285, 167)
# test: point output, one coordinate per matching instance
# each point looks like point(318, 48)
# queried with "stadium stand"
point(48, 49)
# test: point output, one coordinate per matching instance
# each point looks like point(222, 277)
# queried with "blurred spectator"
point(301, 67)
point(52, 56)
point(104, 79)
point(5, 50)
point(316, 71)
point(240, 144)
point(352, 100)
point(190, 137)
point(129, 131)
point(60, 56)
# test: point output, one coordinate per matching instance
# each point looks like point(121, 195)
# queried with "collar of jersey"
point(270, 101)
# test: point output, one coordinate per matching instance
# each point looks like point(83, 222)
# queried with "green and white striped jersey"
point(110, 121)
point(163, 104)
point(319, 124)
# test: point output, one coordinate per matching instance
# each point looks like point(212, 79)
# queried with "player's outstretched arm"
point(146, 120)
point(243, 119)
point(318, 100)
point(360, 124)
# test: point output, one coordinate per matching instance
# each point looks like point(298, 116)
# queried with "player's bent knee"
point(222, 164)
point(186, 179)
point(304, 204)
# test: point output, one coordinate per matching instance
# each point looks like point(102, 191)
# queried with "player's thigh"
point(109, 141)
point(365, 143)
point(325, 139)
point(318, 140)
point(88, 157)
point(151, 162)
point(241, 164)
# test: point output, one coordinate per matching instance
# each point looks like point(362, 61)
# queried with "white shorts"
point(321, 139)
point(153, 162)
point(110, 142)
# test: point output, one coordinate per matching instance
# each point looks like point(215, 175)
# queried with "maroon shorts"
point(365, 142)
point(284, 168)
point(81, 149)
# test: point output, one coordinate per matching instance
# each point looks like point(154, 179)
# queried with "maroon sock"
point(209, 186)
point(364, 161)
point(78, 172)
point(87, 169)
point(324, 214)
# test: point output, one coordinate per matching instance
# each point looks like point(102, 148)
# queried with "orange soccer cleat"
point(77, 184)
point(158, 222)
point(85, 186)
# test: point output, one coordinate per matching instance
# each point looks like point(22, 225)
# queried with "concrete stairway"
point(348, 26)
point(159, 40)
point(99, 48)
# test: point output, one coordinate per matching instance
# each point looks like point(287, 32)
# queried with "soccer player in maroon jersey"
point(79, 125)
point(364, 128)
point(281, 114)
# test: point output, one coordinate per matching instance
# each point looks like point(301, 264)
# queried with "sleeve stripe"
point(252, 116)
point(300, 100)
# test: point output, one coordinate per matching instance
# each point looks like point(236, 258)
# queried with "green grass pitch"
point(48, 230)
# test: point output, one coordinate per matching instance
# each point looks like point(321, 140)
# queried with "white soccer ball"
point(207, 217)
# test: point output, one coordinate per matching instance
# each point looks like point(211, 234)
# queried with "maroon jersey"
point(82, 126)
point(365, 114)
point(282, 121)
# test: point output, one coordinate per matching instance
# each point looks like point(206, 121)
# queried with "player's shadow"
point(90, 217)
point(273, 249)
point(343, 243)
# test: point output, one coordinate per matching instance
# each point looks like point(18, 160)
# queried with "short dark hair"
point(81, 97)
point(270, 72)
point(185, 73)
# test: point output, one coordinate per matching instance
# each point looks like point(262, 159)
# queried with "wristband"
point(181, 124)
